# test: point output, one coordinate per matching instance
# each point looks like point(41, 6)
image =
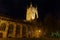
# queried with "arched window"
point(24, 31)
point(10, 30)
point(29, 30)
point(1, 35)
point(2, 27)
point(17, 30)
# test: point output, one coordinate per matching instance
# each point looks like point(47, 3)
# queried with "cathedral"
point(13, 28)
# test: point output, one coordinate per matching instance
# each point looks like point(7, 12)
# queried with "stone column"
point(14, 30)
point(20, 30)
point(26, 31)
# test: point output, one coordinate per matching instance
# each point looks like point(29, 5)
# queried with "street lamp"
point(37, 33)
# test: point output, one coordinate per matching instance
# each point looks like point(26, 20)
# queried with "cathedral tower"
point(32, 13)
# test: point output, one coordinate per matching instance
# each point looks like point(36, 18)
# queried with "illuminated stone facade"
point(15, 28)
point(32, 13)
point(8, 28)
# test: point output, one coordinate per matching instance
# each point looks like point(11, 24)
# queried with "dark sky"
point(17, 8)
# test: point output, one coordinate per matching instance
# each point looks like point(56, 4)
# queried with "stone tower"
point(32, 13)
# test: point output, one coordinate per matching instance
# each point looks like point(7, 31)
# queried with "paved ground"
point(29, 39)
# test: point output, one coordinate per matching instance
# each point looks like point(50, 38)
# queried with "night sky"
point(17, 8)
